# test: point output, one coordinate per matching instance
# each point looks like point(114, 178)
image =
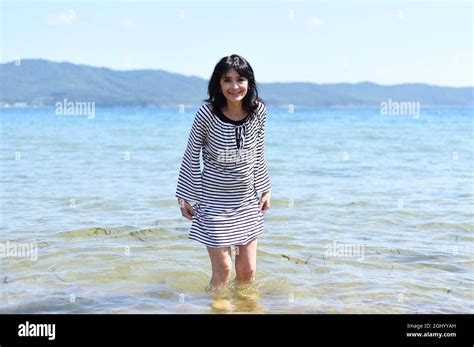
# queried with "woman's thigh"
point(220, 258)
point(246, 256)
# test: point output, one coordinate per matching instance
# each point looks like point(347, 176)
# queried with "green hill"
point(42, 82)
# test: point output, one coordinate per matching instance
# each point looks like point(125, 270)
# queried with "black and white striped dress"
point(225, 191)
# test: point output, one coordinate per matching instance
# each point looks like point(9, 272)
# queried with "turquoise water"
point(370, 214)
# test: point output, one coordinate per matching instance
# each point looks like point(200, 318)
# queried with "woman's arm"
point(262, 179)
point(189, 187)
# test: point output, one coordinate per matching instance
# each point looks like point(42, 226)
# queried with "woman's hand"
point(186, 209)
point(265, 201)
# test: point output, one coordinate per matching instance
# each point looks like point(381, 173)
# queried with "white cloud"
point(315, 22)
point(127, 22)
point(62, 18)
point(401, 14)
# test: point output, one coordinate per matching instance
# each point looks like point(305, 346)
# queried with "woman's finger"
point(266, 206)
point(185, 213)
point(191, 211)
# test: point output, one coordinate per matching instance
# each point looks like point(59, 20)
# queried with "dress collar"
point(226, 119)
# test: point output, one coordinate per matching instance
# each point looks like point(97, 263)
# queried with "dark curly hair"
point(243, 68)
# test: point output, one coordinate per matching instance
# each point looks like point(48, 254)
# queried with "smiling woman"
point(233, 87)
point(228, 212)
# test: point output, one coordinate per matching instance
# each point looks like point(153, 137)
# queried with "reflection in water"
point(236, 297)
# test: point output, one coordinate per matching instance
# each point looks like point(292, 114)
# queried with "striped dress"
point(225, 192)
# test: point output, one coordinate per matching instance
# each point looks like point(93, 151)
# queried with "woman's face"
point(233, 86)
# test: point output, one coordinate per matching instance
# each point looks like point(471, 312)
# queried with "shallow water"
point(369, 214)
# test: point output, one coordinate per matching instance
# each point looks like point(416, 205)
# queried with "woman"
point(227, 212)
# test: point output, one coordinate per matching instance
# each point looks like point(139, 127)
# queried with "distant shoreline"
point(6, 106)
point(36, 83)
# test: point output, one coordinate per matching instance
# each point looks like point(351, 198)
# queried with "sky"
point(385, 42)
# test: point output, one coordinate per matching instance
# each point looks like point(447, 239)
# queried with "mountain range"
point(38, 82)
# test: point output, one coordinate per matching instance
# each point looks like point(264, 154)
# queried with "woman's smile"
point(235, 94)
point(233, 86)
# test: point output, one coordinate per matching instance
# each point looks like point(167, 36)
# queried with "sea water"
point(370, 213)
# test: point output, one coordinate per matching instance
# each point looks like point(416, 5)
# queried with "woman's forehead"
point(231, 73)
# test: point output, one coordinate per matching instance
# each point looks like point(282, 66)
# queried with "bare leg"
point(246, 262)
point(221, 266)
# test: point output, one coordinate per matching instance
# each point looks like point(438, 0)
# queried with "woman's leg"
point(246, 261)
point(221, 266)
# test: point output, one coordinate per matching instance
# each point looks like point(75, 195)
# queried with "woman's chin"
point(234, 99)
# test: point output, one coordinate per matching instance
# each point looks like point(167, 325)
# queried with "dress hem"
point(190, 237)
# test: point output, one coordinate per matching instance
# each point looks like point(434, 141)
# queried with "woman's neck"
point(234, 111)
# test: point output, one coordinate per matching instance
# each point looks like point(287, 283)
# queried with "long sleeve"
point(262, 180)
point(189, 185)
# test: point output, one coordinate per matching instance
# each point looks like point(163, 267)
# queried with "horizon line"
point(195, 76)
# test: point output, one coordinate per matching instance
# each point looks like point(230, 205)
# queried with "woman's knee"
point(221, 263)
point(246, 272)
point(223, 270)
